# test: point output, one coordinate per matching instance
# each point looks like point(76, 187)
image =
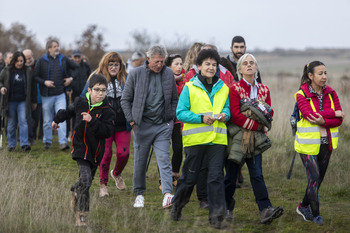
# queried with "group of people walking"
point(198, 107)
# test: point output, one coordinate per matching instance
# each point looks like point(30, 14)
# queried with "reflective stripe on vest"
point(307, 138)
point(197, 134)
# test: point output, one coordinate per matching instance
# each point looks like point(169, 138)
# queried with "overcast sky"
point(265, 24)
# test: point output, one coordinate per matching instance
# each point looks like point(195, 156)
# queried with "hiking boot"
point(270, 213)
point(139, 201)
point(175, 213)
point(26, 148)
point(217, 222)
point(47, 145)
point(203, 205)
point(305, 212)
point(103, 191)
point(11, 149)
point(229, 215)
point(64, 146)
point(80, 219)
point(167, 200)
point(318, 220)
point(119, 182)
point(74, 201)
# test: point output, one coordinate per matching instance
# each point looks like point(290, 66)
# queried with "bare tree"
point(142, 40)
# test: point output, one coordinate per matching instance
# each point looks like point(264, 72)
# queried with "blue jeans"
point(17, 114)
point(256, 180)
point(50, 107)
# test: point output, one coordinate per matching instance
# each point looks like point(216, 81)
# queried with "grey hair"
point(240, 61)
point(50, 42)
point(156, 50)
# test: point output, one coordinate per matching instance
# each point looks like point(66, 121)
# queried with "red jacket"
point(328, 113)
point(225, 76)
point(241, 90)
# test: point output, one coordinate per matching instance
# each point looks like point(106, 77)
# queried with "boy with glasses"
point(94, 123)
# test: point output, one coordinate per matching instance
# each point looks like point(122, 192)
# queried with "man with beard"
point(238, 48)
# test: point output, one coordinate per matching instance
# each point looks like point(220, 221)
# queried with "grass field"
point(35, 196)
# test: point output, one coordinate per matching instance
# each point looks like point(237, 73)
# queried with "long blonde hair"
point(103, 67)
point(192, 54)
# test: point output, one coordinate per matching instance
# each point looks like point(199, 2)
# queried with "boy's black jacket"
point(88, 138)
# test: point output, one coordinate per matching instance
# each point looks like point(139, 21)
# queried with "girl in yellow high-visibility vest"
point(317, 133)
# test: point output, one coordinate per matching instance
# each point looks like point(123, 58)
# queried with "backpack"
point(295, 117)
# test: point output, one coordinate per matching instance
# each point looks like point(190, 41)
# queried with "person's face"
point(238, 49)
point(29, 58)
point(248, 67)
point(113, 68)
point(19, 62)
point(176, 66)
point(97, 93)
point(77, 59)
point(1, 57)
point(319, 77)
point(156, 63)
point(208, 68)
point(8, 58)
point(54, 50)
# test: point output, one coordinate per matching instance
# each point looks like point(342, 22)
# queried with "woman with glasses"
point(113, 68)
point(174, 61)
point(18, 98)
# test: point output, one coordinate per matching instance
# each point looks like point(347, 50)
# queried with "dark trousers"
point(82, 186)
point(316, 167)
point(176, 139)
point(35, 120)
point(195, 156)
point(256, 180)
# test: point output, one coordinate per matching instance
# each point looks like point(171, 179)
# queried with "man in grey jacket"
point(149, 103)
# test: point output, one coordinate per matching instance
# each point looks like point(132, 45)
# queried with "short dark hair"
point(50, 42)
point(207, 53)
point(171, 58)
point(97, 79)
point(237, 39)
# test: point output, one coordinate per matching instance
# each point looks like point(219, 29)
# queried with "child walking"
point(94, 123)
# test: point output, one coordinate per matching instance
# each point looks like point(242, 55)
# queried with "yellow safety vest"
point(307, 138)
point(197, 134)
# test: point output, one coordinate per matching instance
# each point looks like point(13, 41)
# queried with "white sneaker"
point(167, 200)
point(119, 182)
point(139, 201)
point(103, 191)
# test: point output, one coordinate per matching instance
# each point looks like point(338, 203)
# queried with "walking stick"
point(291, 166)
point(71, 119)
point(2, 121)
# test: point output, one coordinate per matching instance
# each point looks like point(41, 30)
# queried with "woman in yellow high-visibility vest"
point(204, 108)
point(317, 133)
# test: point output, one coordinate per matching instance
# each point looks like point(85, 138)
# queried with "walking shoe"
point(203, 205)
point(167, 200)
point(103, 190)
point(74, 201)
point(26, 148)
point(175, 213)
point(305, 212)
point(80, 219)
point(270, 213)
point(139, 201)
point(229, 215)
point(217, 222)
point(11, 149)
point(64, 146)
point(119, 182)
point(47, 145)
point(318, 220)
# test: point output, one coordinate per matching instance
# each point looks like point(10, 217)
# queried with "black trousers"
point(195, 156)
point(176, 139)
point(87, 172)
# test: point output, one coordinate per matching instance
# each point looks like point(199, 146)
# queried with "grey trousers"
point(158, 136)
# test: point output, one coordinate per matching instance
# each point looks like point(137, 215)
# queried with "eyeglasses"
point(112, 64)
point(98, 90)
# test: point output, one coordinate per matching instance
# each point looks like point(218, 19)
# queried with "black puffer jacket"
point(56, 70)
point(88, 139)
point(81, 76)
